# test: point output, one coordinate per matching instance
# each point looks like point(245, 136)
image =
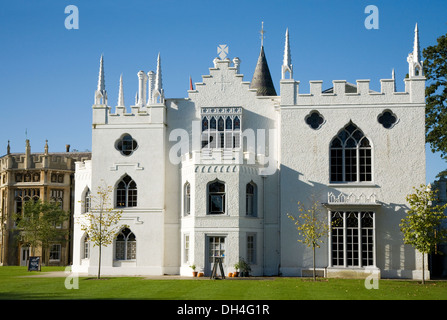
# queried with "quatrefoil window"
point(315, 120)
point(126, 145)
point(387, 119)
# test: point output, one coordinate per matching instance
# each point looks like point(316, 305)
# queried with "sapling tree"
point(101, 223)
point(422, 227)
point(312, 226)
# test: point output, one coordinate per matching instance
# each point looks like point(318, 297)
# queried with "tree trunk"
point(314, 263)
point(423, 269)
point(99, 263)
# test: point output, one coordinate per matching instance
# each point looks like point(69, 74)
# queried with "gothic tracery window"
point(221, 128)
point(352, 238)
point(126, 193)
point(350, 156)
point(126, 245)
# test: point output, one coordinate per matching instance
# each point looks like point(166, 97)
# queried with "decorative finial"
point(46, 146)
point(101, 79)
point(101, 93)
point(262, 32)
point(222, 51)
point(121, 93)
point(158, 89)
point(8, 148)
point(415, 64)
point(416, 50)
point(287, 61)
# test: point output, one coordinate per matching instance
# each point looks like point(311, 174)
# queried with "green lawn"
point(15, 284)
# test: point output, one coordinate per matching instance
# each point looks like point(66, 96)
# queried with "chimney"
point(67, 148)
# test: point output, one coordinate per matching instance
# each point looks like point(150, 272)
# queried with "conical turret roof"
point(262, 80)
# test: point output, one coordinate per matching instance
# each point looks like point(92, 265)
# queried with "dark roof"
point(349, 88)
point(262, 80)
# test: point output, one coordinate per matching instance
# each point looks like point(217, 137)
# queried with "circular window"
point(126, 145)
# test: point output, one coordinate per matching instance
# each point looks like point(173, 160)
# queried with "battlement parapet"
point(345, 93)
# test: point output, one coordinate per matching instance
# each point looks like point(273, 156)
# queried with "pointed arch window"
point(350, 156)
point(126, 245)
point(223, 133)
point(87, 201)
point(187, 199)
point(216, 197)
point(86, 247)
point(250, 199)
point(126, 193)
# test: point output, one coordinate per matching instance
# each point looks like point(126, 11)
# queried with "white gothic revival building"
point(215, 174)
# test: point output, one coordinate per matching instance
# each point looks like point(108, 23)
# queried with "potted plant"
point(194, 272)
point(236, 268)
point(245, 268)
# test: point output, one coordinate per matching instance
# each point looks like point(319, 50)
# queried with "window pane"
point(216, 203)
point(213, 123)
point(131, 250)
point(350, 165)
point(119, 250)
point(237, 123)
point(336, 165)
point(229, 124)
point(204, 124)
point(220, 124)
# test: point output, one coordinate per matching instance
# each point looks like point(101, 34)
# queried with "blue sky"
point(48, 74)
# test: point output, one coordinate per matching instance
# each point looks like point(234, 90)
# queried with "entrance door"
point(24, 256)
point(216, 248)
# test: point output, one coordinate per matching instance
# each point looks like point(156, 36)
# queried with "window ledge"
point(353, 185)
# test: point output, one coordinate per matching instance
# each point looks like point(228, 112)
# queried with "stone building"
point(216, 173)
point(28, 176)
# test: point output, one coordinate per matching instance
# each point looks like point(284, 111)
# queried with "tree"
point(435, 69)
point(101, 222)
point(312, 226)
point(41, 223)
point(422, 226)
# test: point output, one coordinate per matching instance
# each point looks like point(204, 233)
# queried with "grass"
point(16, 284)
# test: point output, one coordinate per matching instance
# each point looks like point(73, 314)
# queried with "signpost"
point(34, 264)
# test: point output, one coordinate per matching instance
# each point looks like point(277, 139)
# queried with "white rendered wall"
point(224, 87)
point(398, 165)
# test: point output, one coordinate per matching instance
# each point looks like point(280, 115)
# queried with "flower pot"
point(230, 274)
point(200, 274)
point(194, 273)
point(236, 274)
